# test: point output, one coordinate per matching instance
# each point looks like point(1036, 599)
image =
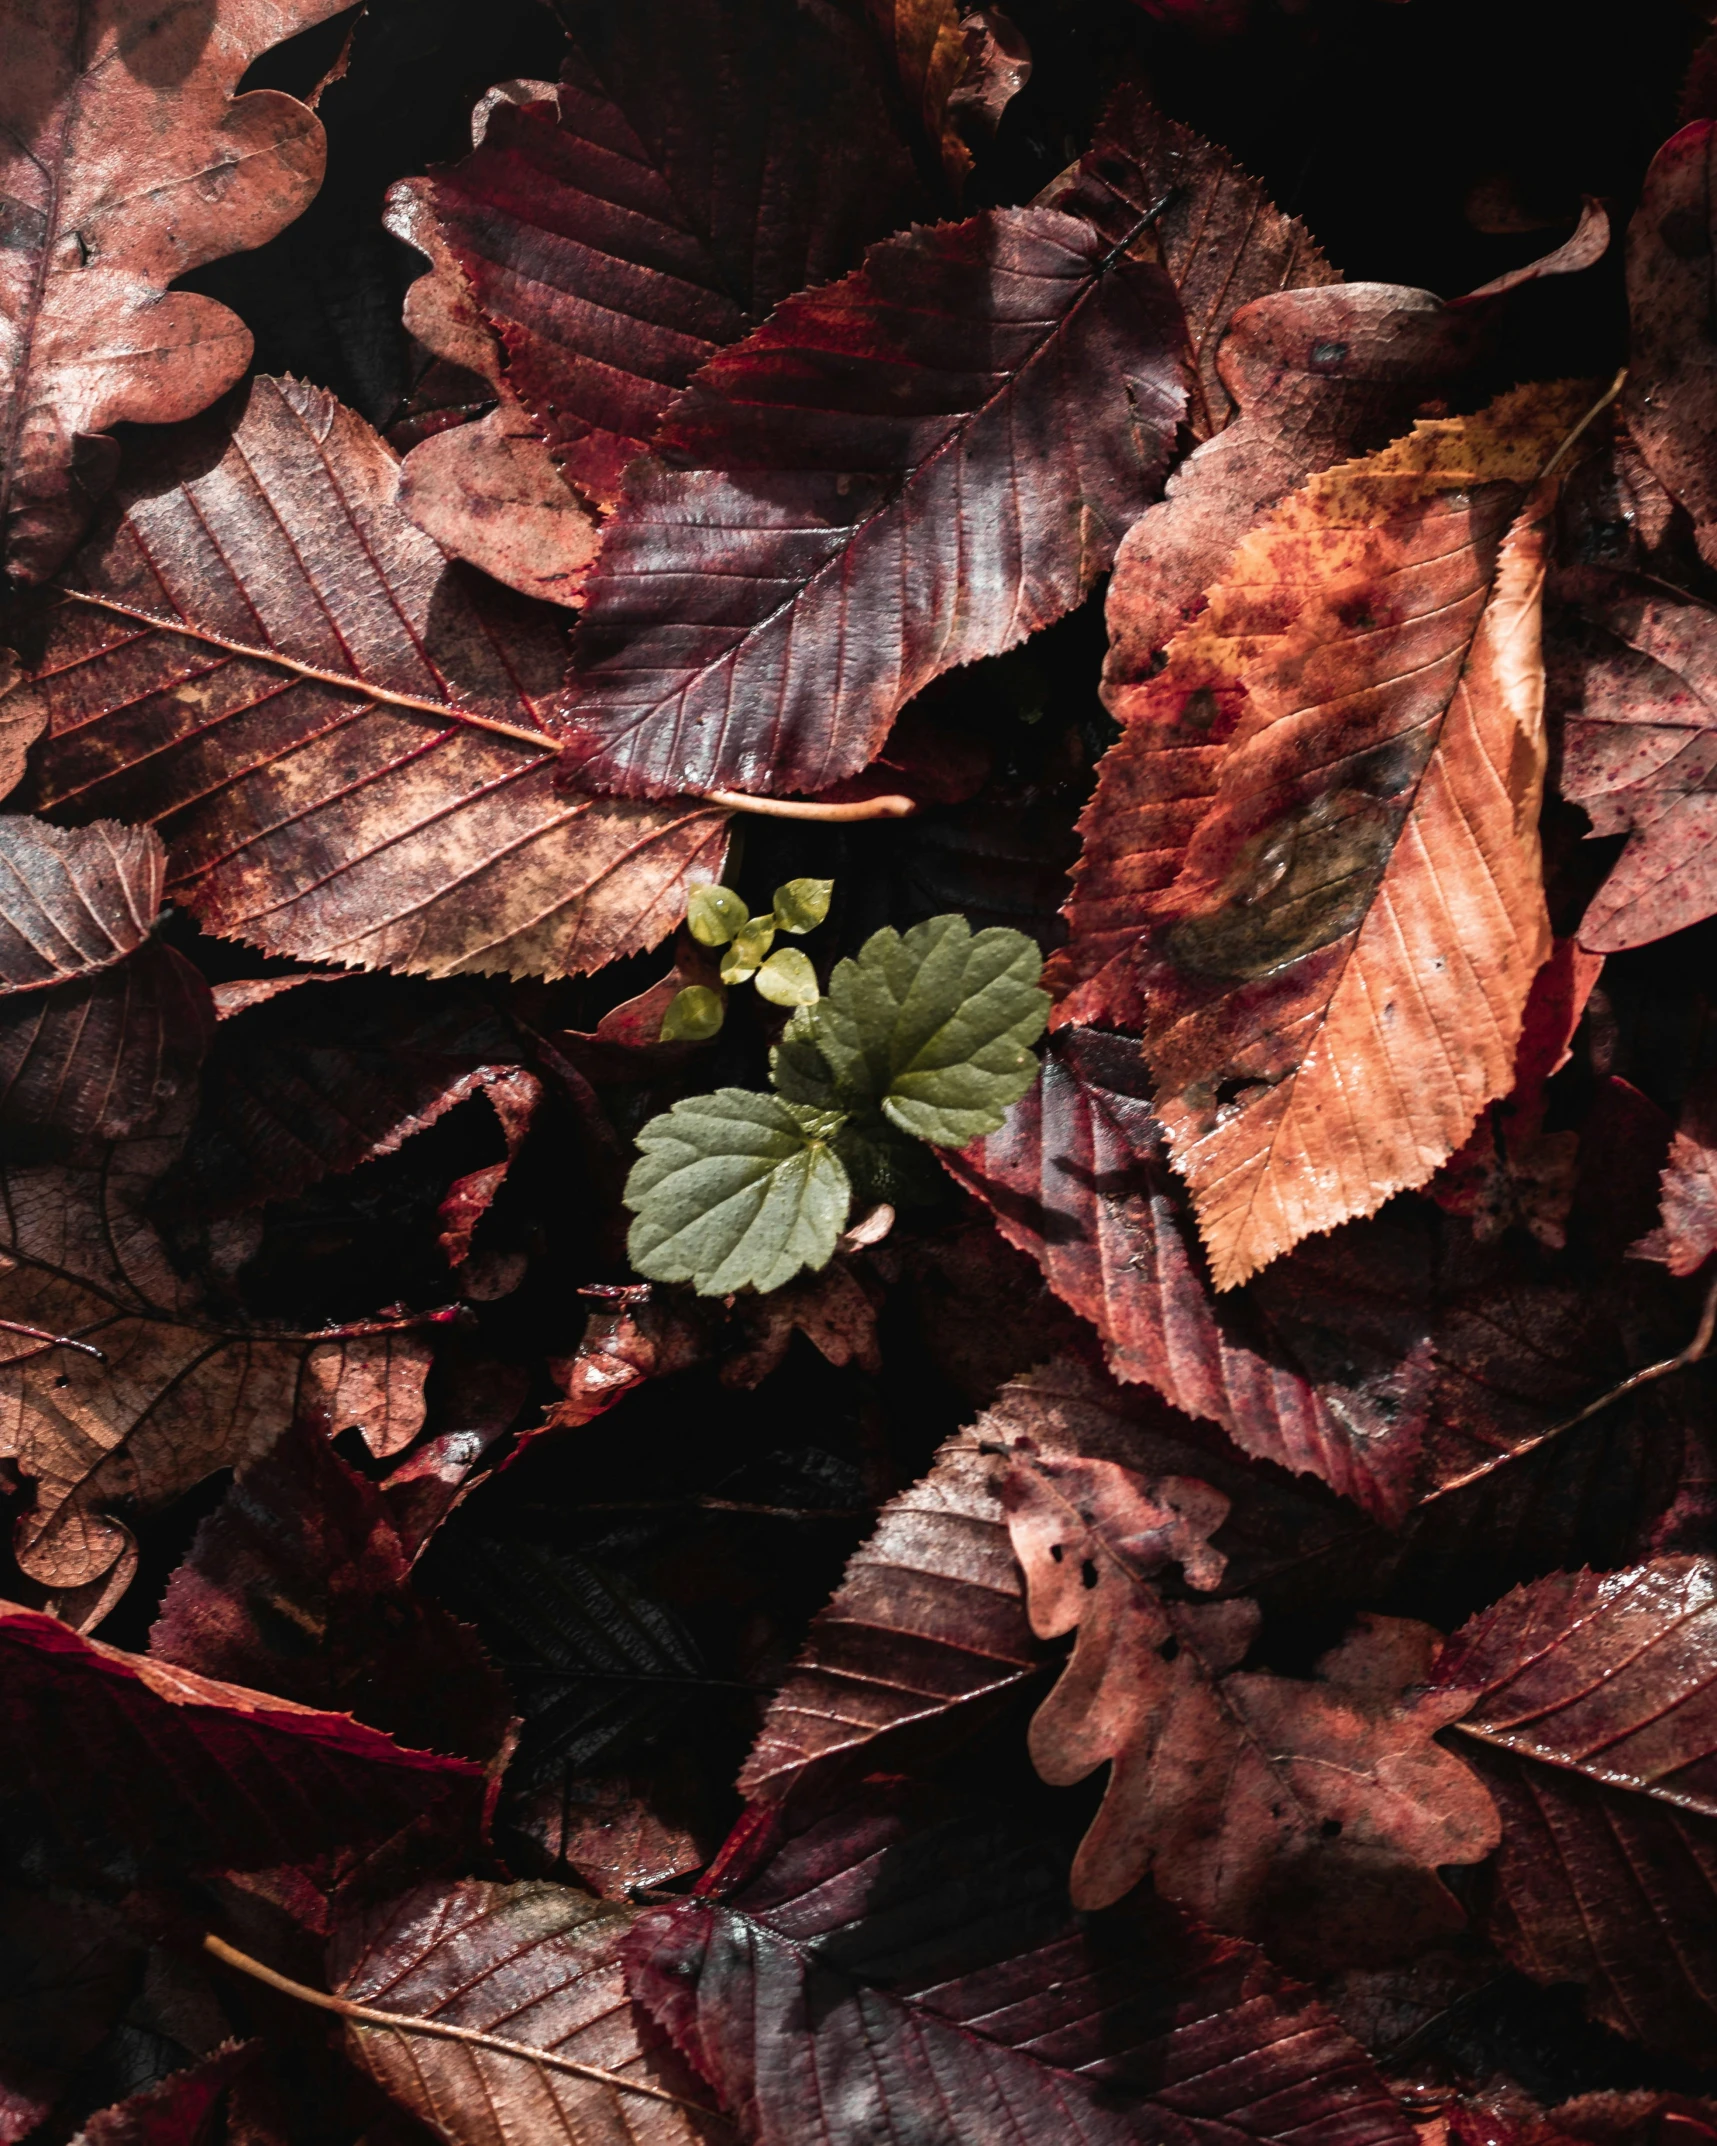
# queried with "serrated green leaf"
point(802, 904)
point(934, 1029)
point(788, 979)
point(736, 1191)
point(750, 944)
point(694, 1015)
point(714, 915)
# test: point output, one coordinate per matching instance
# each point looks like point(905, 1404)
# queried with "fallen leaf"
point(68, 1974)
point(116, 1387)
point(927, 42)
point(537, 1966)
point(368, 706)
point(885, 509)
point(1308, 378)
point(1667, 400)
point(515, 1095)
point(1632, 673)
point(235, 1777)
point(177, 2110)
point(487, 490)
point(1251, 1799)
point(900, 1972)
point(1159, 188)
point(128, 162)
point(1589, 1708)
point(297, 1584)
point(618, 228)
point(1315, 847)
point(73, 901)
point(1687, 1236)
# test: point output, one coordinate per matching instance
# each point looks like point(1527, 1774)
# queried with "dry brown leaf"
point(1312, 864)
point(487, 491)
point(126, 162)
point(257, 606)
point(1256, 1801)
point(927, 42)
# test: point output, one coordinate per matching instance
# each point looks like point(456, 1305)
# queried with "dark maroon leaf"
point(880, 1978)
point(622, 226)
point(299, 1585)
point(66, 1971)
point(1592, 1717)
point(119, 1748)
point(897, 473)
point(182, 2110)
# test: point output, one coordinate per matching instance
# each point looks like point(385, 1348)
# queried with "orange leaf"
point(1312, 864)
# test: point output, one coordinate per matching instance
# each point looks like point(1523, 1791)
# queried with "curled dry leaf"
point(850, 506)
point(1589, 1708)
point(298, 1584)
point(368, 707)
point(618, 229)
point(128, 162)
point(234, 1778)
point(1251, 1799)
point(902, 1971)
point(1669, 400)
point(115, 1384)
point(927, 42)
point(537, 1966)
point(1632, 675)
point(487, 490)
point(1315, 848)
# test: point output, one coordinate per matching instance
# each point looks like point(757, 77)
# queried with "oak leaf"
point(256, 603)
point(618, 228)
point(848, 504)
point(537, 1966)
point(128, 161)
point(1588, 1706)
point(236, 1778)
point(1668, 400)
point(899, 1970)
point(116, 1383)
point(1632, 672)
point(486, 490)
point(1312, 863)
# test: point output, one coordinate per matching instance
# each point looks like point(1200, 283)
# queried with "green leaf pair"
point(929, 1034)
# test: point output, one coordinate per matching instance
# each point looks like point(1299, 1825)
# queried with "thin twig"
point(1694, 1350)
point(796, 808)
point(404, 2023)
point(1603, 403)
point(50, 1340)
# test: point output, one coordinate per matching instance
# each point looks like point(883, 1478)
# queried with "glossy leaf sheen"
point(897, 473)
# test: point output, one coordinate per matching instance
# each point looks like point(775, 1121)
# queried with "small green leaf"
point(736, 1191)
point(802, 904)
point(694, 1015)
point(788, 979)
point(714, 914)
point(935, 1029)
point(750, 944)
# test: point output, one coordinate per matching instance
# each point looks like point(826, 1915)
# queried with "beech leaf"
point(849, 504)
point(128, 161)
point(1589, 1709)
point(933, 1028)
point(366, 704)
point(1315, 848)
point(618, 228)
point(907, 1971)
point(736, 1191)
point(536, 1966)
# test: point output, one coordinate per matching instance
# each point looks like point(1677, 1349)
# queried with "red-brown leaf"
point(369, 813)
point(1590, 1709)
point(1671, 410)
point(178, 1765)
